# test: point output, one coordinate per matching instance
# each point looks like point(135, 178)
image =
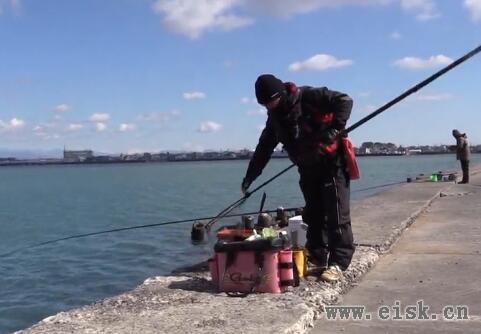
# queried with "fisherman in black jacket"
point(309, 122)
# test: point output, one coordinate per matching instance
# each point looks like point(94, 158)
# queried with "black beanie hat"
point(268, 88)
point(456, 133)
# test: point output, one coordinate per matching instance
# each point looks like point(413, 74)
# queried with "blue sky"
point(152, 75)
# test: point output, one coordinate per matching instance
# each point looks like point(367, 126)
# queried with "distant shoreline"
point(51, 162)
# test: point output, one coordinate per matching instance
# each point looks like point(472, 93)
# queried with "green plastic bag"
point(269, 233)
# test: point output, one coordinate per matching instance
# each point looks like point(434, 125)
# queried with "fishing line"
point(240, 201)
point(77, 236)
point(375, 113)
point(379, 186)
point(226, 211)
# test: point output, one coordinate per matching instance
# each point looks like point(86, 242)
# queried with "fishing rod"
point(373, 114)
point(230, 208)
point(78, 236)
point(414, 89)
point(240, 201)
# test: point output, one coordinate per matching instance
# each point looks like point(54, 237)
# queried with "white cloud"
point(42, 127)
point(124, 127)
point(368, 109)
point(257, 112)
point(17, 123)
point(41, 134)
point(319, 62)
point(61, 108)
point(47, 136)
point(159, 117)
point(45, 131)
point(74, 127)
point(209, 126)
point(100, 127)
point(414, 63)
point(14, 5)
point(425, 9)
point(228, 63)
point(395, 35)
point(474, 7)
point(249, 100)
point(194, 96)
point(435, 97)
point(288, 8)
point(364, 94)
point(12, 125)
point(99, 118)
point(192, 18)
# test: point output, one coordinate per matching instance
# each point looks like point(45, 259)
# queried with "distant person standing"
point(462, 153)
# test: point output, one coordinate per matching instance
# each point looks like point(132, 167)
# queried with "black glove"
point(328, 136)
point(245, 185)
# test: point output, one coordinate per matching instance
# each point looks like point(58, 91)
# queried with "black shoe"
point(463, 182)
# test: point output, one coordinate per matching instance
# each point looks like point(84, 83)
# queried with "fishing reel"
point(200, 230)
point(198, 233)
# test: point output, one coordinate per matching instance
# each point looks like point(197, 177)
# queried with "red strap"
point(350, 156)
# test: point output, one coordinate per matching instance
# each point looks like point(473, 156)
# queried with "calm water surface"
point(43, 203)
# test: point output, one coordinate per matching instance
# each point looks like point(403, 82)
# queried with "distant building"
point(160, 156)
point(77, 156)
point(414, 151)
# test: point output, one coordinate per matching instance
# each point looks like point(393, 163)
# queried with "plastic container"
point(286, 272)
point(234, 234)
point(214, 272)
point(297, 231)
point(251, 266)
point(300, 261)
point(242, 273)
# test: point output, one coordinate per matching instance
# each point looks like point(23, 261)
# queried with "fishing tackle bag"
point(251, 266)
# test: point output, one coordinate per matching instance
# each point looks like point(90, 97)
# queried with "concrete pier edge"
point(186, 301)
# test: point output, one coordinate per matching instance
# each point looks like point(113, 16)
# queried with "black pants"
point(465, 168)
point(329, 235)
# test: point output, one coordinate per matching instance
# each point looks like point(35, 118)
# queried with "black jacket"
point(299, 123)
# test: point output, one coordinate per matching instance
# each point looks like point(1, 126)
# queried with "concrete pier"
point(436, 260)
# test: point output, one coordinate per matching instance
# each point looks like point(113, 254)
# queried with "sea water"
point(41, 203)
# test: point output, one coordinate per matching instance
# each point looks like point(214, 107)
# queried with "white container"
point(297, 231)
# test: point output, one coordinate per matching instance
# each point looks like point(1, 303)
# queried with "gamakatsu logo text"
point(418, 311)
